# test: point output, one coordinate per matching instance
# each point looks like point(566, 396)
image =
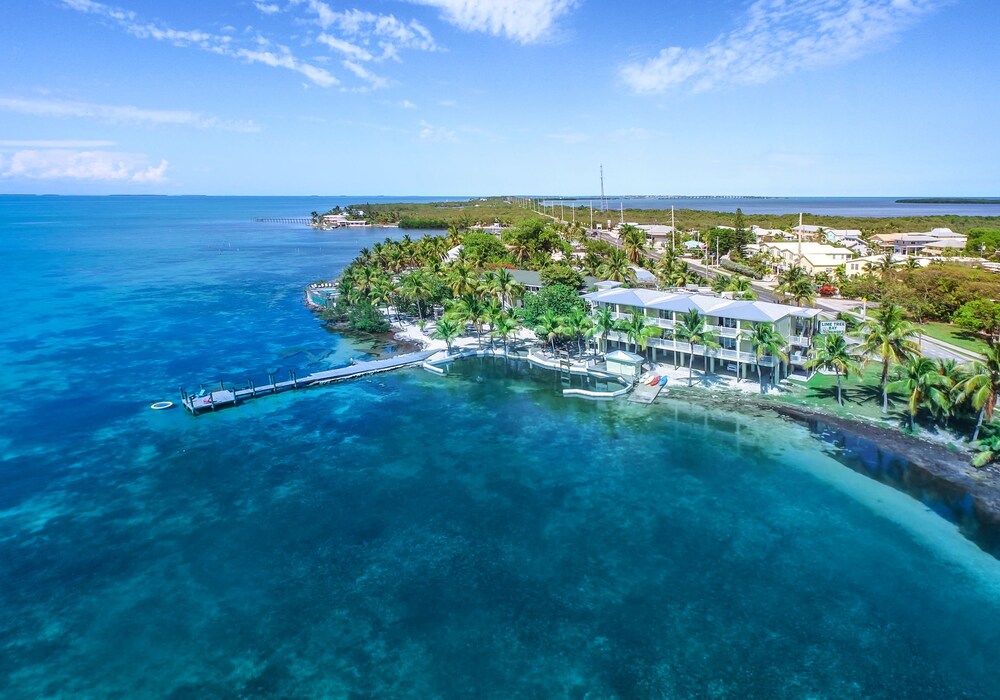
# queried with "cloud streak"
point(524, 21)
point(96, 166)
point(55, 143)
point(779, 37)
point(118, 114)
point(264, 52)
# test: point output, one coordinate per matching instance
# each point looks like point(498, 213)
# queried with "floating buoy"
point(161, 405)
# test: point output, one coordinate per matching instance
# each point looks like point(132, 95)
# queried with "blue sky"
point(469, 97)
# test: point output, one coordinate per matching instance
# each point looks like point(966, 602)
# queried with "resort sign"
point(832, 327)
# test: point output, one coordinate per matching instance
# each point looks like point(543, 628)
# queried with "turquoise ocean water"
point(410, 535)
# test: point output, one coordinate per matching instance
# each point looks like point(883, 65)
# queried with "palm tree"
point(507, 289)
point(550, 326)
point(604, 323)
point(889, 336)
point(766, 341)
point(982, 387)
point(504, 326)
point(638, 330)
point(469, 309)
point(446, 330)
point(579, 325)
point(832, 352)
point(616, 267)
point(952, 374)
point(462, 279)
point(797, 284)
point(692, 330)
point(922, 383)
point(634, 242)
point(416, 287)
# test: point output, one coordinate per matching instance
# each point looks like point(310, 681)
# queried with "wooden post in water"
point(270, 376)
point(291, 374)
point(253, 389)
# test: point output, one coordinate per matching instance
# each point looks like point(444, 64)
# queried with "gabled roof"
point(623, 356)
point(682, 302)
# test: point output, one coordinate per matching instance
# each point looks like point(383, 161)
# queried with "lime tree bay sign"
point(832, 327)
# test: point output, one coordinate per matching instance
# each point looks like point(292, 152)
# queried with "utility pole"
point(591, 215)
point(604, 203)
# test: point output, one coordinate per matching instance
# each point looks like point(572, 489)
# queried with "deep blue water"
point(820, 206)
point(410, 535)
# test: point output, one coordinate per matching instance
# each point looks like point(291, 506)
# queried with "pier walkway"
point(644, 393)
point(222, 396)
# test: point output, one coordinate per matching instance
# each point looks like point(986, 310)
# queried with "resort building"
point(730, 320)
point(933, 242)
point(813, 257)
point(659, 236)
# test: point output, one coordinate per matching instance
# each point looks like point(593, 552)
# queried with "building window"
point(727, 322)
point(728, 343)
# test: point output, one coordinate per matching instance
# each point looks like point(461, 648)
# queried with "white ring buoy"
point(160, 405)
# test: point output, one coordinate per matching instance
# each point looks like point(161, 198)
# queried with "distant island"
point(950, 200)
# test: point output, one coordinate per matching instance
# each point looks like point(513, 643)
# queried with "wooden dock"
point(281, 220)
point(643, 393)
point(210, 400)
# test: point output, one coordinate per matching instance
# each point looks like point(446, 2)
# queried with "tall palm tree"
point(638, 330)
point(508, 289)
point(604, 323)
point(550, 326)
point(766, 341)
point(504, 326)
point(469, 308)
point(832, 352)
point(692, 330)
point(616, 267)
point(797, 284)
point(446, 330)
point(952, 374)
point(982, 387)
point(579, 325)
point(417, 288)
point(462, 279)
point(922, 384)
point(890, 337)
point(634, 242)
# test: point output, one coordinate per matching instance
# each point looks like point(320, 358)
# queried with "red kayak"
point(654, 381)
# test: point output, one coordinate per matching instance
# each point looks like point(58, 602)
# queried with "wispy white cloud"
point(357, 29)
point(406, 104)
point(635, 133)
point(282, 57)
point(65, 164)
point(345, 47)
point(569, 137)
point(55, 143)
point(778, 37)
point(45, 107)
point(263, 51)
point(375, 82)
point(524, 21)
point(267, 8)
point(429, 132)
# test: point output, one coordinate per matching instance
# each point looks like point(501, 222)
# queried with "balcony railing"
point(680, 346)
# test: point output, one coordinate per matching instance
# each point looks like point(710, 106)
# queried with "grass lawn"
point(956, 336)
point(862, 396)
